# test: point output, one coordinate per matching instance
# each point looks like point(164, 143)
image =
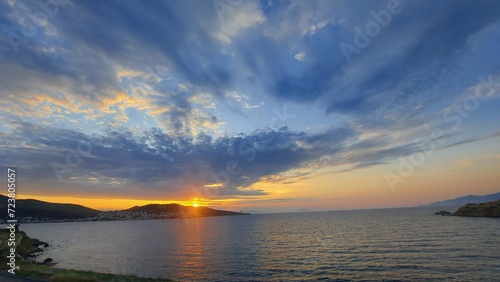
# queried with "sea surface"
point(410, 244)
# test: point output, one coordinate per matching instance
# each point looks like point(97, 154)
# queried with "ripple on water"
point(390, 245)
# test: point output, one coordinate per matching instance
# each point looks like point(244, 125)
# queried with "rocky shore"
point(28, 268)
point(27, 249)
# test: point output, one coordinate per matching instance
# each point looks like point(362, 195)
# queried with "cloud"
point(258, 42)
point(156, 159)
point(235, 20)
point(300, 56)
point(154, 162)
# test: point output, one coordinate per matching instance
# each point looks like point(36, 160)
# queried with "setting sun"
point(195, 205)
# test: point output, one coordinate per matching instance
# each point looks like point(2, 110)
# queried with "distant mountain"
point(40, 209)
point(178, 209)
point(466, 200)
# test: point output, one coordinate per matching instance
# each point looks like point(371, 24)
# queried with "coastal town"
point(34, 211)
point(108, 216)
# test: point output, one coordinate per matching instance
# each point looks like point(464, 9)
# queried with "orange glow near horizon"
point(112, 204)
point(455, 172)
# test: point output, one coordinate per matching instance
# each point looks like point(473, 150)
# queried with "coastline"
point(28, 268)
point(121, 217)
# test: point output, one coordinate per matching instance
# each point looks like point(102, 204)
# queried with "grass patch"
point(53, 274)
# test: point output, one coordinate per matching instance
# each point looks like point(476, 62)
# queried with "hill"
point(491, 209)
point(45, 211)
point(155, 209)
point(467, 199)
point(51, 211)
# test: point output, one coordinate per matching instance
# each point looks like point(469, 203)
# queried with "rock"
point(443, 213)
point(37, 243)
point(47, 261)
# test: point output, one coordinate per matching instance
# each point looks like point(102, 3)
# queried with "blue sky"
point(231, 101)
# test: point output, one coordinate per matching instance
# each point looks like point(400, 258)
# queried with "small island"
point(490, 209)
point(443, 213)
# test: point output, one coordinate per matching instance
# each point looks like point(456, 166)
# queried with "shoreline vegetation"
point(28, 249)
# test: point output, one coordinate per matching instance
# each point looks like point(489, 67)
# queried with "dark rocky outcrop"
point(26, 247)
point(443, 213)
point(490, 209)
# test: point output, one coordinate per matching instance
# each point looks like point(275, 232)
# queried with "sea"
point(405, 244)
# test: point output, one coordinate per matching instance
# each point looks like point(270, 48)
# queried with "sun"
point(195, 205)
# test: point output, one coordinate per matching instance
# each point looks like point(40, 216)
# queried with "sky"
point(261, 106)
